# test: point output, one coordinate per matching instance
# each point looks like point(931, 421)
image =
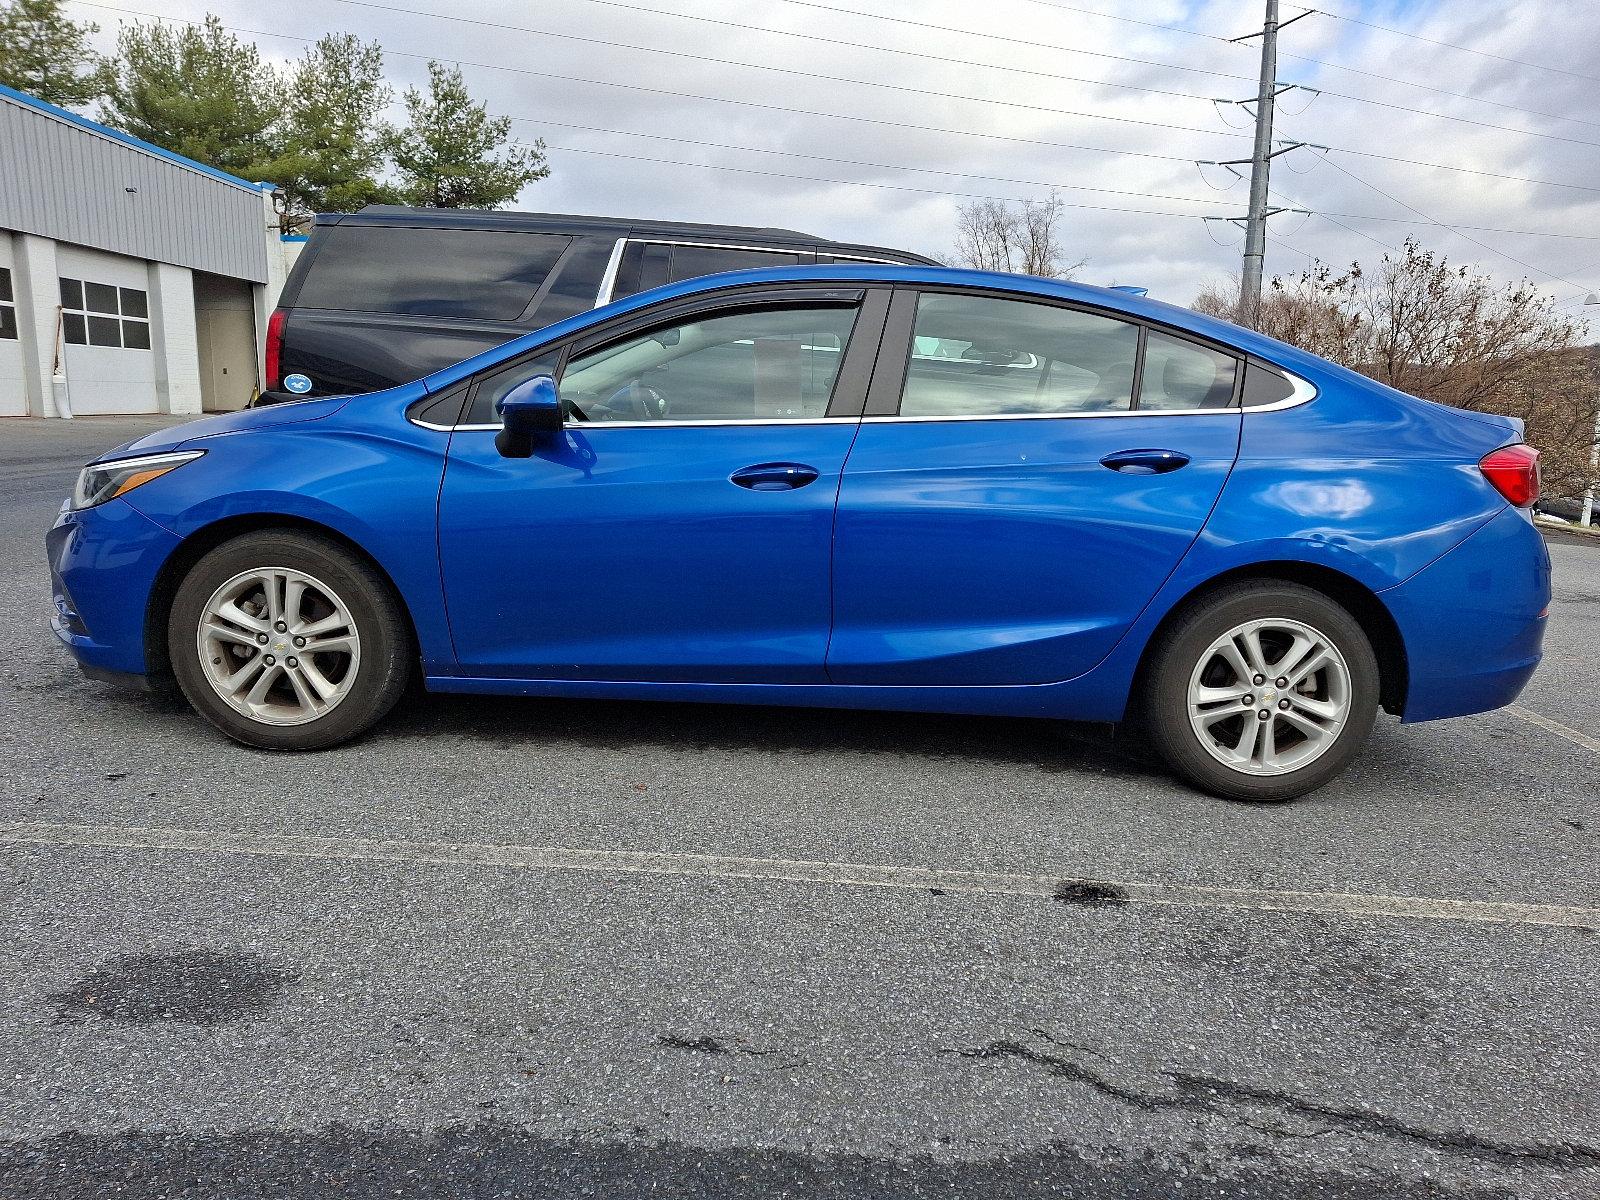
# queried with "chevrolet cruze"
point(861, 487)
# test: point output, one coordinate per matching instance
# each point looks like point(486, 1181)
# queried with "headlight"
point(104, 481)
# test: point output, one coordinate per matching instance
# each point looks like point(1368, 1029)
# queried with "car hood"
point(174, 436)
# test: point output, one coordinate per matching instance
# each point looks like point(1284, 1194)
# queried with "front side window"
point(8, 307)
point(100, 314)
point(976, 356)
point(757, 365)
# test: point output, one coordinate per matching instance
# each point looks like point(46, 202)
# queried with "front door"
point(679, 528)
point(1037, 473)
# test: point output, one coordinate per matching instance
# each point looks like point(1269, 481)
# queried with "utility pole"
point(1260, 160)
point(1255, 230)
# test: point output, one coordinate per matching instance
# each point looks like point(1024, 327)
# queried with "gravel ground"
point(252, 1013)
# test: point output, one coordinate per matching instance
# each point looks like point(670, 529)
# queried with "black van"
point(390, 294)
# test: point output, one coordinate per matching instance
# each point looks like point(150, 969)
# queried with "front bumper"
point(104, 563)
point(1473, 621)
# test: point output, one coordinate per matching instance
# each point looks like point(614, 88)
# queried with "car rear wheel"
point(286, 641)
point(1264, 691)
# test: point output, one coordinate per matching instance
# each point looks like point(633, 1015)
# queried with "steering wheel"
point(633, 401)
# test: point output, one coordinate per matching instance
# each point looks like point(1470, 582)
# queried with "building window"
point(8, 306)
point(98, 314)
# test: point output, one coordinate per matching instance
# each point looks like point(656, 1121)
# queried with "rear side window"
point(1264, 386)
point(645, 265)
point(1180, 375)
point(486, 274)
point(690, 262)
point(974, 356)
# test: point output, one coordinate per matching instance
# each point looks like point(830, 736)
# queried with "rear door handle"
point(1145, 462)
point(774, 477)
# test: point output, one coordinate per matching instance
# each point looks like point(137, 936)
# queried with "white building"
point(132, 280)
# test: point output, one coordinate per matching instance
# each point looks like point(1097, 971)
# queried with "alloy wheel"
point(1269, 696)
point(278, 645)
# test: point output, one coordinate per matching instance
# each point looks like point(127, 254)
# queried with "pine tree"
point(198, 91)
point(332, 138)
point(46, 55)
point(452, 154)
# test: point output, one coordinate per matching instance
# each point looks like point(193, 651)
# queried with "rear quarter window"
point(490, 275)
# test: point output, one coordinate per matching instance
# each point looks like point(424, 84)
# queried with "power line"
point(893, 187)
point(856, 162)
point(795, 71)
point(1041, 183)
point(1211, 37)
point(1095, 12)
point(790, 33)
point(812, 37)
point(1467, 237)
point(767, 107)
point(1417, 37)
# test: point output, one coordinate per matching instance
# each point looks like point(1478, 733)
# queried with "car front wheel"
point(286, 641)
point(1264, 691)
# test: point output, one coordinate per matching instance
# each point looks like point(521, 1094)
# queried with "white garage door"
point(13, 396)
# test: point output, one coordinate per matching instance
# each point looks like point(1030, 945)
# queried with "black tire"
point(379, 676)
point(1177, 653)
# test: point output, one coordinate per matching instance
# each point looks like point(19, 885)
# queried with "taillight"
point(1514, 471)
point(274, 350)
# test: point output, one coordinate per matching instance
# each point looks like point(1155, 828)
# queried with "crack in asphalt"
point(1203, 1093)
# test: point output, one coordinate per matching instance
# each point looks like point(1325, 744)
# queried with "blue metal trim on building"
point(129, 140)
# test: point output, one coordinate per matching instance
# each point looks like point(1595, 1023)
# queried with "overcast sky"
point(1062, 89)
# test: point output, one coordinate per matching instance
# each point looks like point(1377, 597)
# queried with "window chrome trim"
point(608, 279)
point(881, 262)
point(1304, 392)
point(668, 423)
point(1061, 416)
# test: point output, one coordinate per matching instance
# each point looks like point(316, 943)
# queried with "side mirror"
point(528, 411)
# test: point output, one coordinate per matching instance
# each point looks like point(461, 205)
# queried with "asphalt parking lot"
point(556, 949)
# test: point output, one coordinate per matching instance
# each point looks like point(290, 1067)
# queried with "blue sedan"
point(858, 487)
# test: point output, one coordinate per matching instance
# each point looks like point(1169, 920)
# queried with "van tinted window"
point(479, 273)
point(690, 262)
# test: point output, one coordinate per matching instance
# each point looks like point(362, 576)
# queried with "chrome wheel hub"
point(278, 645)
point(1269, 696)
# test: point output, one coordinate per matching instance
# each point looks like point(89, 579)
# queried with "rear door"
point(1026, 477)
point(680, 527)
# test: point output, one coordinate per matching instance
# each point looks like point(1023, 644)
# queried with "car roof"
point(1108, 299)
point(576, 223)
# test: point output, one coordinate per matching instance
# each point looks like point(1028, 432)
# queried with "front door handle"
point(1145, 462)
point(774, 477)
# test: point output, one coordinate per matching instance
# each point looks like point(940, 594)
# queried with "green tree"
point(453, 154)
point(199, 91)
point(46, 55)
point(332, 137)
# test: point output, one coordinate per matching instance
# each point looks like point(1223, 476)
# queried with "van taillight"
point(274, 351)
point(1514, 471)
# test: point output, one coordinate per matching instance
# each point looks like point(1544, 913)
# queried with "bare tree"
point(1447, 333)
point(993, 236)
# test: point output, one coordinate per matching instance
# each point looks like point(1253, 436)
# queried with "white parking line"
point(1556, 727)
point(460, 854)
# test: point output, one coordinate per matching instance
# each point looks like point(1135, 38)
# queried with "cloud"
point(1023, 93)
